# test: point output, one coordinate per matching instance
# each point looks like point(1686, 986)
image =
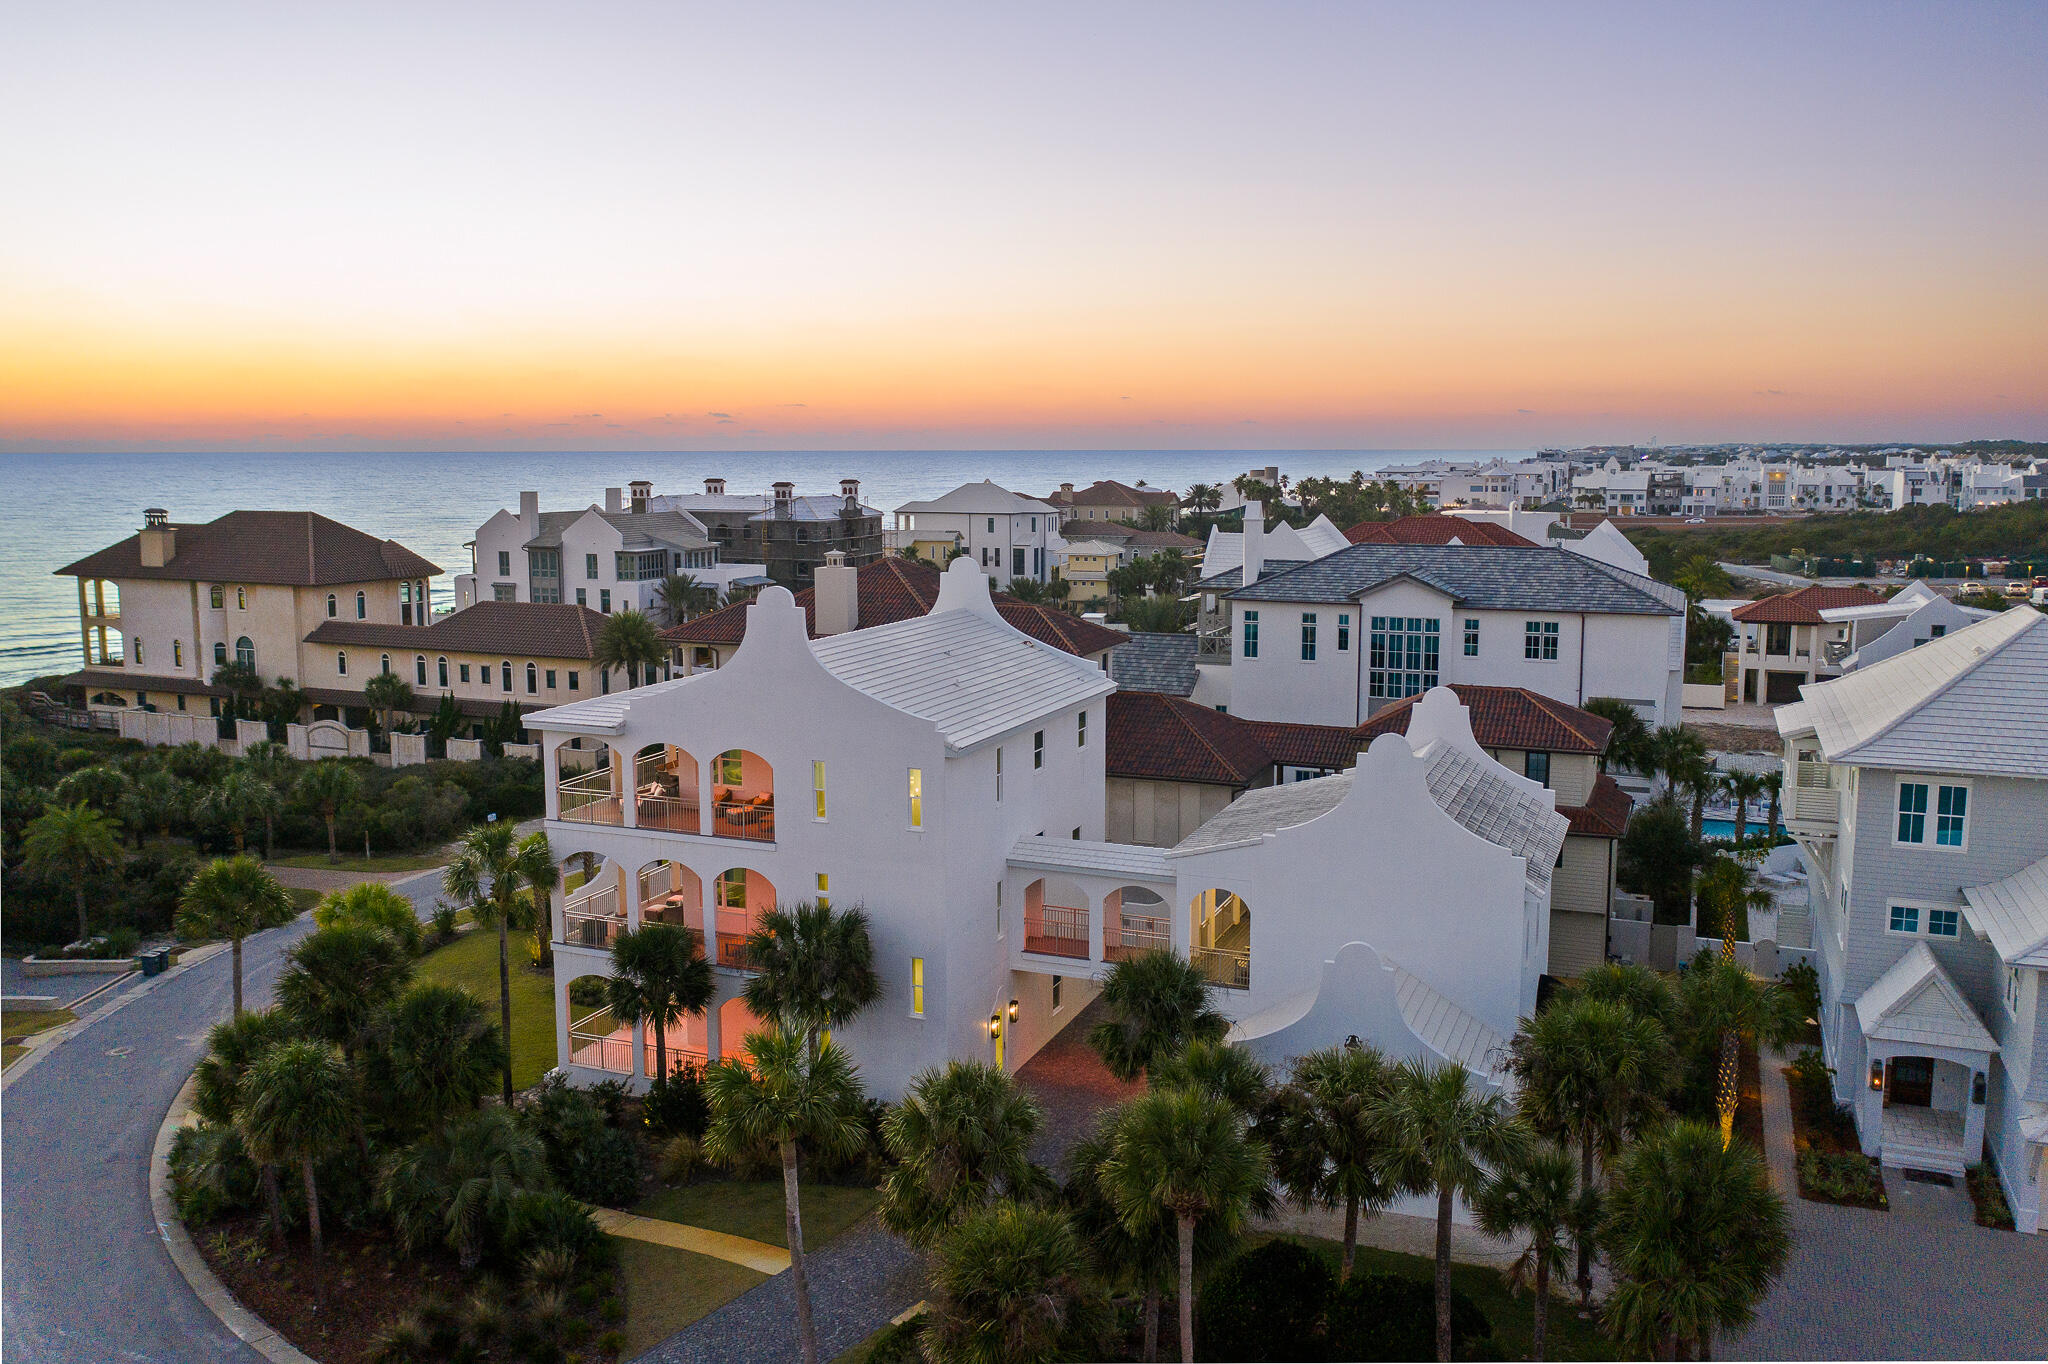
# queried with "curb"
point(48, 1042)
point(249, 1328)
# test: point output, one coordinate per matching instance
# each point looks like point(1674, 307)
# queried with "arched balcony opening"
point(742, 796)
point(587, 783)
point(688, 1044)
point(1220, 938)
point(670, 893)
point(596, 1038)
point(741, 897)
point(592, 915)
point(736, 1023)
point(1056, 918)
point(665, 789)
point(1134, 921)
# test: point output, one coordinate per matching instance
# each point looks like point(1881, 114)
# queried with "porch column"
point(1870, 1101)
point(1973, 1111)
point(551, 775)
point(1098, 911)
point(625, 780)
point(563, 1009)
point(712, 1045)
point(629, 894)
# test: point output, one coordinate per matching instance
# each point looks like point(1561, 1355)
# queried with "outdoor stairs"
point(1923, 1139)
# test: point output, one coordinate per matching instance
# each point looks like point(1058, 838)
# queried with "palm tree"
point(76, 843)
point(1203, 497)
point(659, 976)
point(1534, 1196)
point(961, 1137)
point(682, 596)
point(236, 800)
point(1591, 1073)
point(630, 641)
point(1028, 590)
point(1680, 757)
point(242, 685)
point(271, 764)
point(1221, 1071)
point(102, 787)
point(457, 1187)
point(231, 1048)
point(298, 1108)
point(232, 897)
point(506, 881)
point(328, 785)
point(1728, 892)
point(1156, 517)
point(1013, 1287)
point(1186, 1154)
point(1628, 740)
point(1742, 788)
point(338, 981)
point(1441, 1137)
point(1719, 1006)
point(1696, 1235)
point(385, 693)
point(374, 905)
point(1323, 1132)
point(1157, 1004)
point(436, 1055)
point(814, 969)
point(1638, 989)
point(155, 800)
point(1774, 786)
point(1145, 1254)
point(791, 1099)
point(281, 704)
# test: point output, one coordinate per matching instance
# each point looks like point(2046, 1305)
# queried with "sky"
point(1178, 225)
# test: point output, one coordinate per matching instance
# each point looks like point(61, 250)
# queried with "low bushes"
point(1846, 1177)
point(1281, 1301)
point(1985, 1192)
point(1832, 1167)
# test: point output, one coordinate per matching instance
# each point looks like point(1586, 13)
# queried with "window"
point(822, 893)
point(1943, 923)
point(1539, 640)
point(245, 653)
point(177, 653)
point(917, 987)
point(330, 602)
point(590, 566)
point(220, 655)
point(1936, 632)
point(1056, 983)
point(1777, 639)
point(384, 663)
point(999, 910)
point(1308, 636)
point(462, 671)
point(504, 592)
point(551, 679)
point(1402, 655)
point(441, 670)
point(604, 600)
point(999, 774)
point(1038, 750)
point(1905, 919)
point(1912, 812)
point(572, 680)
point(532, 679)
point(916, 798)
point(504, 563)
point(419, 670)
point(1017, 561)
point(241, 599)
point(138, 651)
point(1343, 632)
point(731, 768)
point(1471, 636)
point(1951, 809)
point(505, 669)
point(818, 790)
point(1536, 767)
point(215, 595)
point(1081, 730)
point(483, 673)
point(1251, 634)
point(341, 664)
point(362, 607)
point(991, 525)
point(581, 600)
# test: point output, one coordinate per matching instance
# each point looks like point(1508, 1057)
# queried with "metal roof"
point(1488, 577)
point(1279, 541)
point(1969, 702)
point(1095, 859)
point(636, 529)
point(2013, 914)
point(1146, 661)
point(1448, 1030)
point(603, 714)
point(982, 499)
point(1915, 1003)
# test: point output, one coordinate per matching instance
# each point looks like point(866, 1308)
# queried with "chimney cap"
point(783, 487)
point(835, 558)
point(640, 483)
point(155, 516)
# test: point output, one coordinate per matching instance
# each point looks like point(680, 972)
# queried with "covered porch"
point(1929, 1057)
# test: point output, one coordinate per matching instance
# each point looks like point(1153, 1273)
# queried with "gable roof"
point(893, 588)
point(1433, 529)
point(286, 548)
point(1316, 540)
point(1149, 661)
point(636, 529)
point(524, 629)
point(2013, 914)
point(1495, 577)
point(1507, 717)
point(981, 499)
point(1916, 1003)
point(1166, 738)
point(1804, 606)
point(1605, 813)
point(1132, 537)
point(1107, 492)
point(1969, 702)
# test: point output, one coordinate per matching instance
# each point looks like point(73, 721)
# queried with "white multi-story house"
point(1914, 485)
point(1906, 620)
point(1917, 789)
point(1006, 534)
point(1259, 544)
point(613, 558)
point(1333, 641)
point(947, 774)
point(1788, 640)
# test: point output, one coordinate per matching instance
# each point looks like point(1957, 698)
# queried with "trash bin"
point(155, 963)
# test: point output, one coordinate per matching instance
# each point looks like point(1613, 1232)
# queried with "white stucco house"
point(1007, 535)
point(1917, 789)
point(947, 774)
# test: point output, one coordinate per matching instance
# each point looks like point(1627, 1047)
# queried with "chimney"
point(159, 539)
point(529, 514)
point(614, 499)
point(785, 498)
point(714, 487)
point(638, 491)
point(836, 596)
point(1067, 488)
point(1254, 542)
point(849, 489)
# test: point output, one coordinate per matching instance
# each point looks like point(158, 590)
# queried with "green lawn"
point(317, 861)
point(753, 1209)
point(471, 961)
point(303, 897)
point(23, 1023)
point(667, 1289)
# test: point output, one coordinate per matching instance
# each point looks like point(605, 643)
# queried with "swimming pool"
point(1725, 828)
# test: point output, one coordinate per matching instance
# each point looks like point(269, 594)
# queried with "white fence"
point(308, 742)
point(1763, 957)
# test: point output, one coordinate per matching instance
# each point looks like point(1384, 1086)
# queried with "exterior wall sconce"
point(995, 1024)
point(1877, 1075)
point(1977, 1087)
point(1013, 1011)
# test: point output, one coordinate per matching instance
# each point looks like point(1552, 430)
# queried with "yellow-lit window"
point(917, 987)
point(241, 599)
point(916, 798)
point(818, 789)
point(824, 894)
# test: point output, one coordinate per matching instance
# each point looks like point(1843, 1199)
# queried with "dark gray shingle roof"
point(1155, 663)
point(1231, 578)
point(1489, 577)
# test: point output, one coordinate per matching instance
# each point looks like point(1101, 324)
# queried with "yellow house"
point(1086, 565)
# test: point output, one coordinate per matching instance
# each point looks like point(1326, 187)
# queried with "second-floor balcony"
point(1056, 931)
point(1813, 804)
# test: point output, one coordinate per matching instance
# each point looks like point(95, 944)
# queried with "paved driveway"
point(86, 1277)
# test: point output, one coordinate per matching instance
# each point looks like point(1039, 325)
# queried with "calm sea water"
point(55, 509)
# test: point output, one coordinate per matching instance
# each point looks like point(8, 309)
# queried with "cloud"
point(1126, 398)
point(1770, 393)
point(725, 421)
point(722, 416)
point(1526, 411)
point(792, 404)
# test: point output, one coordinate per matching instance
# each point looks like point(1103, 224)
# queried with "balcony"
point(665, 790)
point(1229, 967)
point(591, 918)
point(1813, 806)
point(733, 927)
point(589, 798)
point(753, 819)
point(1056, 931)
point(598, 1041)
point(1131, 935)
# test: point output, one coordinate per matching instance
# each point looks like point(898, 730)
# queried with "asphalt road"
point(86, 1276)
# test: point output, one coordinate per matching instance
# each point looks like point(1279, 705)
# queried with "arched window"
point(419, 670)
point(341, 662)
point(241, 599)
point(506, 665)
point(384, 663)
point(330, 606)
point(362, 607)
point(443, 665)
point(220, 654)
point(245, 653)
point(532, 679)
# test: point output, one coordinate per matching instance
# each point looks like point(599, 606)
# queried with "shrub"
point(592, 1160)
point(112, 945)
point(211, 1174)
point(675, 1106)
point(1992, 1209)
point(552, 1221)
point(612, 1343)
point(1389, 1317)
point(605, 1170)
point(611, 1098)
point(1841, 1177)
point(587, 992)
point(1268, 1303)
point(373, 905)
point(1804, 984)
point(444, 922)
point(677, 1160)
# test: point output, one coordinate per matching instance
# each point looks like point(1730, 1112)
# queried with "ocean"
point(59, 508)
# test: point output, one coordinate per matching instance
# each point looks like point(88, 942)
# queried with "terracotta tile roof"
point(1605, 815)
point(1432, 530)
point(1804, 606)
point(523, 628)
point(893, 589)
point(1107, 492)
point(293, 549)
point(1166, 738)
point(1508, 717)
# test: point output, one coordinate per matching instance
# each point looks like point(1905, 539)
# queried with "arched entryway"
point(1220, 938)
point(665, 789)
point(1134, 920)
point(742, 796)
point(740, 897)
point(592, 913)
point(670, 893)
point(1056, 918)
point(587, 783)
